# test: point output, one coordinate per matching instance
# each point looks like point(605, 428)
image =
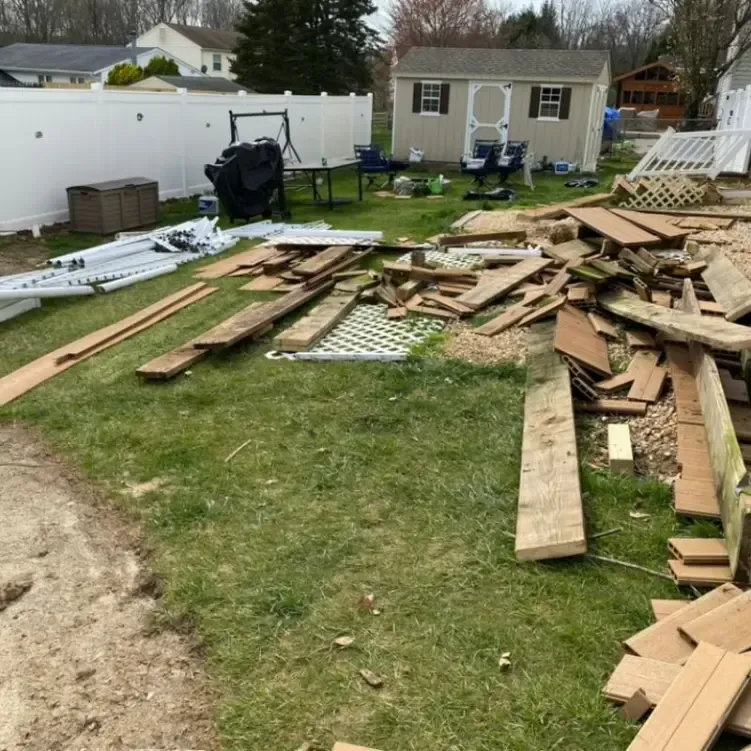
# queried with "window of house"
point(217, 62)
point(662, 97)
point(431, 98)
point(672, 98)
point(649, 97)
point(626, 97)
point(44, 79)
point(550, 102)
point(637, 97)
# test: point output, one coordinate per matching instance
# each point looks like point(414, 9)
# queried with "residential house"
point(446, 99)
point(73, 63)
point(652, 87)
point(209, 50)
point(194, 84)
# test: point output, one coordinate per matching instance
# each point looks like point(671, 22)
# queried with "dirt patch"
point(508, 346)
point(19, 254)
point(80, 665)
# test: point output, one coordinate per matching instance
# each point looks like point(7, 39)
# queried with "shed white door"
point(593, 142)
point(488, 112)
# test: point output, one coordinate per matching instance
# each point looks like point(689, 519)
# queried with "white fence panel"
point(734, 113)
point(55, 138)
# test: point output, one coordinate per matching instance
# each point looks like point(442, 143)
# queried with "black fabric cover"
point(246, 176)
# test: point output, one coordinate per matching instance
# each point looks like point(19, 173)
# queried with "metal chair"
point(374, 162)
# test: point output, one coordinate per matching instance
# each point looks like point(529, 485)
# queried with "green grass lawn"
point(399, 480)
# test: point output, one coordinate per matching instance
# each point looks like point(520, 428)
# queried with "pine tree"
point(306, 46)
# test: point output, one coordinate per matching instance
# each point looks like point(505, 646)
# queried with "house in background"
point(194, 84)
point(73, 63)
point(446, 99)
point(652, 87)
point(208, 50)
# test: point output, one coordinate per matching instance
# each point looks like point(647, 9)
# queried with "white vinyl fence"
point(54, 138)
point(734, 113)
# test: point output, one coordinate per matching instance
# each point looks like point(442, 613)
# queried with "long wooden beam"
point(728, 467)
point(550, 521)
point(712, 331)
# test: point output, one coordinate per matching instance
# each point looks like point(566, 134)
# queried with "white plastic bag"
point(415, 155)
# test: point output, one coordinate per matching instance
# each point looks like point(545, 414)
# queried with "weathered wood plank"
point(558, 210)
point(262, 283)
point(504, 321)
point(713, 332)
point(305, 332)
point(571, 250)
point(613, 407)
point(613, 227)
point(323, 260)
point(544, 311)
point(602, 326)
point(663, 641)
point(491, 288)
point(727, 627)
point(698, 550)
point(550, 521)
point(697, 703)
point(699, 576)
point(663, 608)
point(728, 285)
point(652, 223)
point(575, 337)
point(728, 467)
point(620, 455)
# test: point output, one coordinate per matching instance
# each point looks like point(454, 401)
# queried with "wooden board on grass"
point(727, 627)
point(262, 283)
point(492, 287)
point(34, 373)
point(693, 710)
point(652, 223)
point(558, 210)
point(714, 332)
point(698, 550)
point(323, 260)
point(620, 231)
point(248, 321)
point(696, 498)
point(699, 576)
point(226, 266)
point(575, 337)
point(305, 332)
point(620, 455)
point(544, 311)
point(663, 641)
point(663, 608)
point(550, 520)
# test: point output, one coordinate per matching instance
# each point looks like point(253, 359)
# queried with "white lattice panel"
point(449, 260)
point(666, 193)
point(367, 330)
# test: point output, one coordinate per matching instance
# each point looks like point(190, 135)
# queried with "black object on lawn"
point(497, 194)
point(582, 182)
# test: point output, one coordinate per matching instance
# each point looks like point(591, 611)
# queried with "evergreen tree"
point(306, 46)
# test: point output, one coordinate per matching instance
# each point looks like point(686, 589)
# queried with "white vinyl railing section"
point(51, 139)
point(704, 153)
point(734, 113)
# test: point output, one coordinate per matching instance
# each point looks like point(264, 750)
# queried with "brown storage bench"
point(114, 205)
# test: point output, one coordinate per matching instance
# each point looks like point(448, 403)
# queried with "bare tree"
point(708, 37)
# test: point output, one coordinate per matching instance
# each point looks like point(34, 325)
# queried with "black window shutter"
point(444, 106)
point(417, 96)
point(565, 103)
point(534, 102)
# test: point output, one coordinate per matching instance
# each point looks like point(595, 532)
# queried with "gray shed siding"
point(442, 137)
point(740, 72)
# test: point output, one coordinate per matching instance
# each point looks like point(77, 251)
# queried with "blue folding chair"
point(374, 162)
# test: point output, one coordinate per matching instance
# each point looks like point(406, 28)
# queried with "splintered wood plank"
point(501, 282)
point(620, 455)
point(700, 576)
point(248, 321)
point(648, 385)
point(558, 210)
point(693, 710)
point(575, 337)
point(226, 266)
point(663, 641)
point(572, 250)
point(728, 285)
point(262, 283)
point(607, 224)
point(714, 332)
point(618, 381)
point(655, 677)
point(602, 326)
point(697, 550)
point(323, 260)
point(544, 311)
point(641, 363)
point(659, 297)
point(396, 312)
point(558, 282)
point(446, 302)
point(652, 223)
point(504, 321)
point(310, 328)
point(663, 608)
point(31, 375)
point(613, 407)
point(688, 409)
point(550, 521)
point(728, 467)
point(727, 627)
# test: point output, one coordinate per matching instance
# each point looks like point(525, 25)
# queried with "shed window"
point(217, 62)
point(431, 98)
point(550, 102)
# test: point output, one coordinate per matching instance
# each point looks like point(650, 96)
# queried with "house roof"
point(211, 39)
point(669, 64)
point(203, 83)
point(65, 58)
point(509, 63)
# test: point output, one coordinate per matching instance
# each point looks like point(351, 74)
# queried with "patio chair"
point(482, 168)
point(374, 162)
point(512, 159)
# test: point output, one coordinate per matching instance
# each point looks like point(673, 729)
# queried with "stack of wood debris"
point(631, 275)
point(688, 668)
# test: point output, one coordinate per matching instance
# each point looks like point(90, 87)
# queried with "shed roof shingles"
point(508, 63)
point(210, 39)
point(74, 58)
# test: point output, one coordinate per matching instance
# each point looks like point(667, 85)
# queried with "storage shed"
point(445, 99)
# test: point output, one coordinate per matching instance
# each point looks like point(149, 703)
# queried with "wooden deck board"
point(613, 227)
point(652, 223)
point(575, 337)
point(494, 286)
point(310, 328)
point(550, 521)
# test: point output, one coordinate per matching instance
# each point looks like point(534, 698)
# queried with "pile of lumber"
point(688, 668)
